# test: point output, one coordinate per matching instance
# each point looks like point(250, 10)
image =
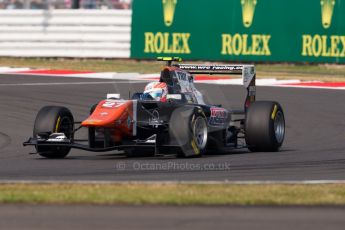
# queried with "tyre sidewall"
point(259, 126)
point(48, 121)
point(181, 130)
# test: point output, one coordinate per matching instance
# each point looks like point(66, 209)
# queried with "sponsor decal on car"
point(154, 119)
point(112, 104)
point(129, 122)
point(218, 116)
point(274, 112)
point(195, 148)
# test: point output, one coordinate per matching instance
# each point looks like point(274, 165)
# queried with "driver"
point(156, 91)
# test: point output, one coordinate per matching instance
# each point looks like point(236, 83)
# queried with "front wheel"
point(188, 127)
point(264, 126)
point(53, 119)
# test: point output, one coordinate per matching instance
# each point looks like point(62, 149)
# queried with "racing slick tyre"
point(54, 119)
point(188, 127)
point(264, 126)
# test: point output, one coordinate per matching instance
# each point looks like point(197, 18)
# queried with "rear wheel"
point(264, 126)
point(53, 119)
point(188, 127)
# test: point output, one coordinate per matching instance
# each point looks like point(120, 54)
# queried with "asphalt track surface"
point(314, 147)
point(169, 217)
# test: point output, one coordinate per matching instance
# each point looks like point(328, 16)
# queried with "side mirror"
point(174, 96)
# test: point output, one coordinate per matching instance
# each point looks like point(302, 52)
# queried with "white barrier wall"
point(65, 33)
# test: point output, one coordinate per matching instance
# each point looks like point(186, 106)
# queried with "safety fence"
point(65, 33)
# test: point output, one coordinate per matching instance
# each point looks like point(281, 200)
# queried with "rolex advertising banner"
point(240, 30)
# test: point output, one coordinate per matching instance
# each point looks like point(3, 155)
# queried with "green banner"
point(240, 30)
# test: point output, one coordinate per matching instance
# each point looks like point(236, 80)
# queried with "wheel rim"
point(66, 126)
point(279, 127)
point(200, 132)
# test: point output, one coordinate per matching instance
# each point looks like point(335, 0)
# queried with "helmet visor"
point(154, 94)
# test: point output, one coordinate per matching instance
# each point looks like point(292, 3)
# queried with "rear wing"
point(247, 71)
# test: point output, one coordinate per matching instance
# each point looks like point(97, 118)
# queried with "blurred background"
point(65, 4)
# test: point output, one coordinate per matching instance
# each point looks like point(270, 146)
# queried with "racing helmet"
point(155, 91)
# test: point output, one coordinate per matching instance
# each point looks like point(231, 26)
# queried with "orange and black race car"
point(168, 117)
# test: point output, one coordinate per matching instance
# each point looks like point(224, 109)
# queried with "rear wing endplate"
point(247, 71)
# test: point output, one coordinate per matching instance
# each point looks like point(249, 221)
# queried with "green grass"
point(173, 194)
point(96, 65)
point(323, 72)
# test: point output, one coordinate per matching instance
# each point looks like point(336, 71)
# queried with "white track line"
point(255, 182)
point(270, 82)
point(70, 83)
point(9, 69)
point(106, 75)
point(310, 87)
point(239, 81)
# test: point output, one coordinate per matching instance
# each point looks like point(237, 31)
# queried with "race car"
point(168, 117)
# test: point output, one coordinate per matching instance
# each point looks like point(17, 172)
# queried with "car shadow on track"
point(122, 156)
